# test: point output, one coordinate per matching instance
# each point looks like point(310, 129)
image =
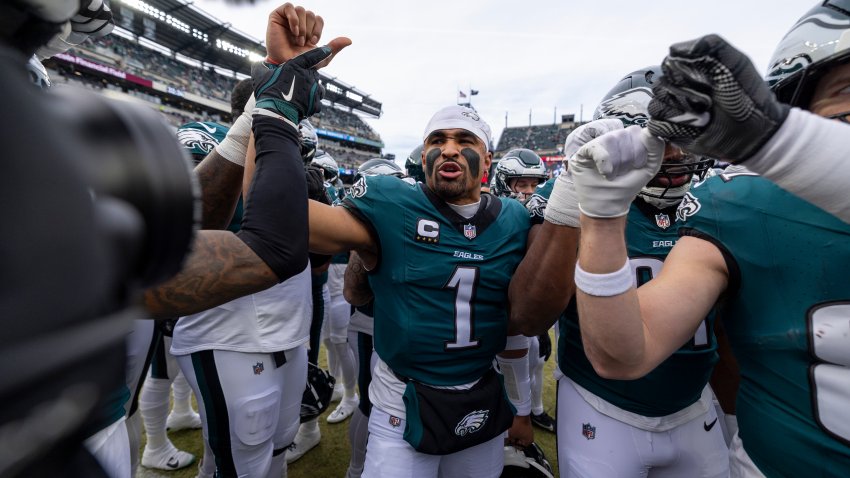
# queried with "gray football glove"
point(711, 101)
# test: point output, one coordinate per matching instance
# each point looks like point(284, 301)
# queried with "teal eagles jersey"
point(441, 281)
point(787, 314)
point(677, 382)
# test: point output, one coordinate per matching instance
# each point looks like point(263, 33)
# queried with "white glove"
point(587, 132)
point(610, 170)
point(562, 207)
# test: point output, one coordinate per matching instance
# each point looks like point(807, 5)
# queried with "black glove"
point(545, 345)
point(291, 89)
point(711, 101)
point(316, 184)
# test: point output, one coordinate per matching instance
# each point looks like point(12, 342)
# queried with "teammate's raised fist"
point(293, 30)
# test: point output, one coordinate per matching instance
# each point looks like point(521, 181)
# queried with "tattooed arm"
point(221, 185)
point(356, 289)
point(219, 269)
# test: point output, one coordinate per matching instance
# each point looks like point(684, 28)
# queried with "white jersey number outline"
point(829, 329)
point(464, 281)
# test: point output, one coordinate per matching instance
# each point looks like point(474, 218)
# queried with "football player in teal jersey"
point(773, 262)
point(604, 425)
point(440, 256)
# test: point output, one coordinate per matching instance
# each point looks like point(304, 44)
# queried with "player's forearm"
point(221, 184)
point(332, 230)
point(274, 224)
point(611, 326)
point(543, 283)
point(219, 269)
point(807, 157)
point(356, 289)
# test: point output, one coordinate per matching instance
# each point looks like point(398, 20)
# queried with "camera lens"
point(135, 159)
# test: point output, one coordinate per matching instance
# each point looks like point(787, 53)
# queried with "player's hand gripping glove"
point(316, 184)
point(711, 101)
point(610, 170)
point(290, 91)
point(562, 206)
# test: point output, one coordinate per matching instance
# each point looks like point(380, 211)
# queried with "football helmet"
point(309, 140)
point(378, 167)
point(414, 164)
point(818, 41)
point(628, 101)
point(328, 165)
point(528, 463)
point(200, 138)
point(317, 394)
point(38, 74)
point(515, 164)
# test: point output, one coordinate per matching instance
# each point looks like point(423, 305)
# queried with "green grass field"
point(330, 457)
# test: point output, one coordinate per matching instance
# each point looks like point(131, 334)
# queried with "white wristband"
point(234, 147)
point(605, 285)
point(517, 382)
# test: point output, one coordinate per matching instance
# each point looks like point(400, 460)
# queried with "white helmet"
point(328, 164)
point(818, 41)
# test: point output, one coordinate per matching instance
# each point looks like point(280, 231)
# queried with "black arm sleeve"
point(274, 224)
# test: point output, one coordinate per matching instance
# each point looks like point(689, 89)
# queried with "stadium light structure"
point(157, 14)
point(231, 48)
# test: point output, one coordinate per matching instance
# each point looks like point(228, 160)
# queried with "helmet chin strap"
point(663, 198)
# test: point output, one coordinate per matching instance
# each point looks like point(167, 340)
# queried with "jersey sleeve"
point(706, 208)
point(364, 199)
point(536, 204)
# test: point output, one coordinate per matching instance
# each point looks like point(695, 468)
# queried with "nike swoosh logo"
point(709, 426)
point(173, 463)
point(209, 129)
point(288, 96)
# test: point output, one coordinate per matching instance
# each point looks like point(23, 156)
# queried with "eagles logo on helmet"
point(528, 463)
point(201, 137)
point(628, 101)
point(379, 167)
point(816, 43)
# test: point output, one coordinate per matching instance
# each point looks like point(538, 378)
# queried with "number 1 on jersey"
point(463, 281)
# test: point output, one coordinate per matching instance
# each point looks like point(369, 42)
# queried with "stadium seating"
point(537, 138)
point(129, 56)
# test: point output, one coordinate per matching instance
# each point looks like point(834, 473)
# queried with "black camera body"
point(101, 203)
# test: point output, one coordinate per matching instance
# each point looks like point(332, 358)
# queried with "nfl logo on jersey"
point(662, 220)
point(588, 431)
point(258, 368)
point(469, 231)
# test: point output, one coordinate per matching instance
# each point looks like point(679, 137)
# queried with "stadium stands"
point(546, 140)
point(146, 62)
point(187, 66)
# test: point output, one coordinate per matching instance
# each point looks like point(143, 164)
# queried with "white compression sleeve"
point(807, 157)
point(234, 147)
point(517, 382)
